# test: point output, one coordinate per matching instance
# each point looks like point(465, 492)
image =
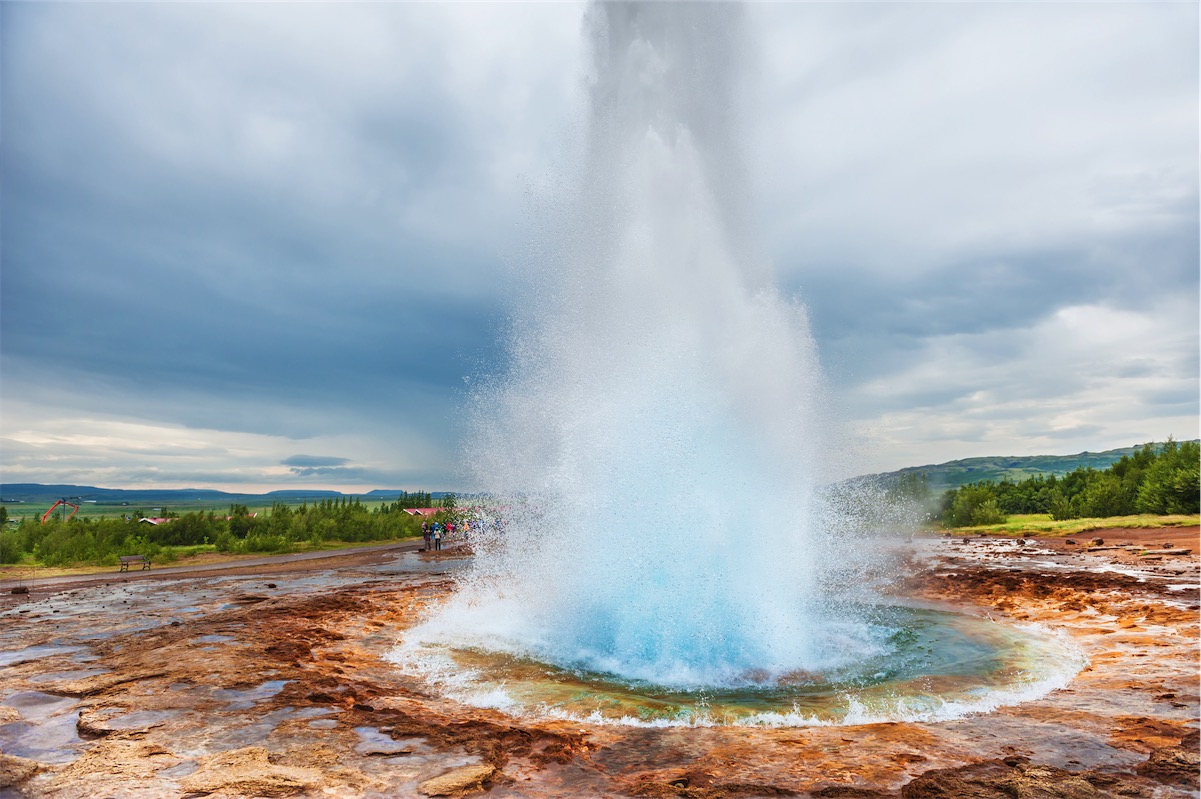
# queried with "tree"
point(1060, 509)
point(1102, 496)
point(1172, 483)
point(972, 505)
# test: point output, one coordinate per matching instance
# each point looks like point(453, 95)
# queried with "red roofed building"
point(423, 511)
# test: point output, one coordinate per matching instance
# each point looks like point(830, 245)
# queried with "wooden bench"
point(126, 560)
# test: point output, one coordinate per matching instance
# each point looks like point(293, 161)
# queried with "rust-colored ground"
point(272, 683)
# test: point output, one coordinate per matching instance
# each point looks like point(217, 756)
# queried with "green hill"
point(952, 474)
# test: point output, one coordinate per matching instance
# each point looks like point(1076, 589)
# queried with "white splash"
point(654, 450)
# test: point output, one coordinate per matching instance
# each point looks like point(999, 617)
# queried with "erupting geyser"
point(655, 441)
point(655, 448)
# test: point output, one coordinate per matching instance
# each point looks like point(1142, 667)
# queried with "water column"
point(652, 450)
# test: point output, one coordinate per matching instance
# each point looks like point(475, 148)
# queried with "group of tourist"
point(434, 532)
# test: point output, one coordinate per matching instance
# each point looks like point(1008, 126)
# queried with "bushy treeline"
point(1157, 479)
point(82, 540)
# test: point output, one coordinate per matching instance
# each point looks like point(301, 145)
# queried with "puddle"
point(254, 733)
point(214, 639)
point(51, 740)
point(246, 699)
point(15, 656)
point(374, 742)
point(114, 630)
point(36, 706)
point(182, 770)
point(410, 562)
point(323, 724)
point(141, 719)
point(314, 712)
point(78, 674)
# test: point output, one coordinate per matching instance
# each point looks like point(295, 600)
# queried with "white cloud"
point(60, 445)
point(901, 138)
point(1086, 377)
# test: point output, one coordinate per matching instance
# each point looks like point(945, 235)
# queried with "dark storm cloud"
point(871, 323)
point(351, 473)
point(309, 461)
point(325, 467)
point(236, 232)
point(952, 188)
point(172, 224)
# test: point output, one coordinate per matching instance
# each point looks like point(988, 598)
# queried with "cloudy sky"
point(256, 245)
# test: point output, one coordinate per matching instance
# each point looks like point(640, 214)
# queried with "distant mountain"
point(38, 492)
point(393, 493)
point(953, 474)
point(41, 493)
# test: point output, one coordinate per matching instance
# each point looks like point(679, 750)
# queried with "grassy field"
point(117, 509)
point(1043, 524)
point(197, 555)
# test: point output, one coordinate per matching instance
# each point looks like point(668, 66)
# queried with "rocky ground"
point(269, 681)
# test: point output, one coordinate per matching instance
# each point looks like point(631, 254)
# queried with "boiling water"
point(656, 448)
point(936, 665)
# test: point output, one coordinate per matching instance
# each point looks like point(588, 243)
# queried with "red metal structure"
point(46, 515)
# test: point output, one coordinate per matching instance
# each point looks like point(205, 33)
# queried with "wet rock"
point(459, 781)
point(250, 772)
point(15, 770)
point(290, 651)
point(698, 784)
point(118, 760)
point(377, 742)
point(93, 724)
point(1012, 778)
point(677, 790)
point(100, 683)
point(248, 599)
point(1175, 765)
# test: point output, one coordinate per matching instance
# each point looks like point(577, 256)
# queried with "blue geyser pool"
point(928, 665)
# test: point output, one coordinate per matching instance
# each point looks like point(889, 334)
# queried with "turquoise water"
point(930, 665)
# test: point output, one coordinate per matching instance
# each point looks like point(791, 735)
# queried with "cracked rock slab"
point(459, 781)
point(15, 770)
point(250, 772)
